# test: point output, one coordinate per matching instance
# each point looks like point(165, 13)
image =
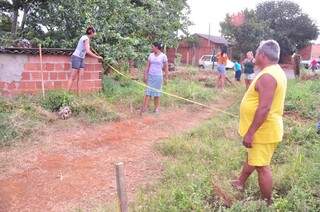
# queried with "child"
point(237, 69)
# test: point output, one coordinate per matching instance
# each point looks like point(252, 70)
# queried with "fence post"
point(121, 188)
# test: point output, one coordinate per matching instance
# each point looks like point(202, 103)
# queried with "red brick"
point(67, 66)
point(49, 67)
point(57, 84)
point(91, 60)
point(32, 66)
point(27, 86)
point(89, 67)
point(62, 75)
point(98, 83)
point(98, 67)
point(12, 86)
point(49, 85)
point(86, 75)
point(38, 85)
point(25, 76)
point(35, 75)
point(53, 76)
point(59, 66)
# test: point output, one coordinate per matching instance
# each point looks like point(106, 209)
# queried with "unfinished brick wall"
point(56, 72)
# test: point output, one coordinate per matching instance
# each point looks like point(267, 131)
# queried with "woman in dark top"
point(248, 66)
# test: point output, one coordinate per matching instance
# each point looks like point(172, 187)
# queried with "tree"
point(247, 35)
point(293, 28)
point(283, 21)
point(125, 28)
point(13, 7)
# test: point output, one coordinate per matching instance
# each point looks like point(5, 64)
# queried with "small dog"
point(65, 112)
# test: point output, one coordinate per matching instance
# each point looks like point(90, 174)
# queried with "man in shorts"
point(261, 112)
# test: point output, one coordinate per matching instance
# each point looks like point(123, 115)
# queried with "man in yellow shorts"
point(261, 112)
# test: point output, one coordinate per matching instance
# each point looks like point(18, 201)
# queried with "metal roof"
point(214, 39)
point(35, 51)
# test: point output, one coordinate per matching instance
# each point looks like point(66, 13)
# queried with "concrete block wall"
point(22, 74)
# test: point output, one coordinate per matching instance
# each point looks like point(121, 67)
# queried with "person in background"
point(248, 66)
point(78, 57)
point(314, 64)
point(261, 118)
point(213, 59)
point(296, 60)
point(222, 59)
point(237, 69)
point(153, 76)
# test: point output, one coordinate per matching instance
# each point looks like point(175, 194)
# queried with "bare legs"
point(146, 104)
point(75, 76)
point(156, 104)
point(221, 81)
point(264, 178)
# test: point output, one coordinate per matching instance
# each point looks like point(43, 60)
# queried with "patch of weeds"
point(54, 100)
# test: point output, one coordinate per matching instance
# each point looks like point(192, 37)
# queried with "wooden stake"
point(121, 189)
point(41, 68)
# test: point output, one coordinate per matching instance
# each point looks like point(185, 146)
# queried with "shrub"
point(54, 100)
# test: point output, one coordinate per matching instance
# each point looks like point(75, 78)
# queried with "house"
point(191, 51)
point(21, 71)
point(310, 51)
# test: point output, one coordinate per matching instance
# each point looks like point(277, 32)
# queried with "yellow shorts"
point(261, 154)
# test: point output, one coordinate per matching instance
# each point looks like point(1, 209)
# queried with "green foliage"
point(283, 21)
point(125, 28)
point(54, 100)
point(213, 153)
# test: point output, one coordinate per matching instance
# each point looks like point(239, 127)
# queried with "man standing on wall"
point(261, 112)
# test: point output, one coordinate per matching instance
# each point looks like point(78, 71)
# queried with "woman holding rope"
point(153, 76)
point(78, 56)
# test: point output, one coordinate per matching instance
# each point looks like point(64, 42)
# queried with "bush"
point(54, 100)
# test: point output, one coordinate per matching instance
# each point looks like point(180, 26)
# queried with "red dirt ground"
point(74, 168)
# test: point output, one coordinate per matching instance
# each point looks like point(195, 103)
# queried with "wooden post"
point(41, 68)
point(121, 189)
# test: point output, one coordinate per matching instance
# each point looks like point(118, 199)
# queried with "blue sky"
point(205, 12)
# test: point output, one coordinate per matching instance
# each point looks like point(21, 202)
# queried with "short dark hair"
point(90, 30)
point(158, 45)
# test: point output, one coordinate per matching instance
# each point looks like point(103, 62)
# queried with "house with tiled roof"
point(203, 44)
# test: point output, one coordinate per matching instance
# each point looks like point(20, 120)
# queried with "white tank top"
point(81, 48)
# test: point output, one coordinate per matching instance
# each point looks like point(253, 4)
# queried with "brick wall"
point(56, 72)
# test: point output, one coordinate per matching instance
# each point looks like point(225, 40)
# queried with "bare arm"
point(146, 71)
point(88, 50)
point(266, 87)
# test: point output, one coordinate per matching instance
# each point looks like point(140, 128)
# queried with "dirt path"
point(75, 168)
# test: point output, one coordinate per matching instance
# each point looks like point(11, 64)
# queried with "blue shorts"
point(77, 62)
point(222, 69)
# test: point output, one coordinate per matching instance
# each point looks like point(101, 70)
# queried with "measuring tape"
point(173, 95)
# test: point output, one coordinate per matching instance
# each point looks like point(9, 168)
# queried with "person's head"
point(250, 55)
point(91, 32)
point(268, 53)
point(156, 47)
point(223, 50)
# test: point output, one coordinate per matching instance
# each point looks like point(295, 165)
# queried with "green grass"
point(119, 90)
point(23, 115)
point(213, 153)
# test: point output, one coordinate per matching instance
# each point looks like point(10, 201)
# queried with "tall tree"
point(293, 28)
point(283, 21)
point(14, 7)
